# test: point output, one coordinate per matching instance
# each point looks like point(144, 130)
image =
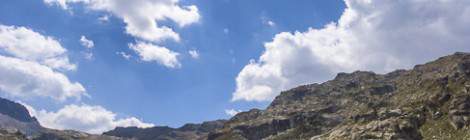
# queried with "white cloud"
point(103, 19)
point(89, 44)
point(30, 65)
point(271, 23)
point(142, 17)
point(370, 35)
point(124, 55)
point(267, 21)
point(87, 118)
point(26, 44)
point(194, 54)
point(88, 55)
point(149, 52)
point(24, 78)
point(232, 112)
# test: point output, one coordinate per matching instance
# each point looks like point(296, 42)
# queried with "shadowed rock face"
point(14, 117)
point(15, 110)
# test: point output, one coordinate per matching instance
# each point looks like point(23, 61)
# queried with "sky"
point(93, 65)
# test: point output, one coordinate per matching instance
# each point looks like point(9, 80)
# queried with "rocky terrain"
point(430, 101)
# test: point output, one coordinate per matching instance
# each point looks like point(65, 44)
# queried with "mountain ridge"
point(188, 131)
point(429, 101)
point(16, 123)
point(402, 104)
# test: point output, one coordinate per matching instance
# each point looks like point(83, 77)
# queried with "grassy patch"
point(441, 129)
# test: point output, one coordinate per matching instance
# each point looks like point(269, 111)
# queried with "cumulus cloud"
point(232, 112)
point(28, 79)
point(31, 65)
point(26, 44)
point(194, 54)
point(142, 17)
point(370, 35)
point(149, 52)
point(87, 118)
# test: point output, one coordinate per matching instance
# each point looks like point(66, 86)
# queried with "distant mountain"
point(15, 117)
point(186, 132)
point(15, 110)
point(17, 124)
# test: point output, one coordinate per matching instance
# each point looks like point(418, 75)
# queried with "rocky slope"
point(431, 101)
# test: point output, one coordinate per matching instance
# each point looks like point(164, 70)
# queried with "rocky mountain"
point(14, 116)
point(15, 110)
point(430, 101)
point(186, 132)
point(17, 124)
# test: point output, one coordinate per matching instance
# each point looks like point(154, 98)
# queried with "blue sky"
point(198, 91)
point(248, 52)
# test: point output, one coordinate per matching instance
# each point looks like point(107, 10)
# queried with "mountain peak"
point(15, 110)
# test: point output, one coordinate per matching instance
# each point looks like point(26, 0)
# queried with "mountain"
point(17, 124)
point(430, 101)
point(186, 132)
point(14, 116)
point(15, 110)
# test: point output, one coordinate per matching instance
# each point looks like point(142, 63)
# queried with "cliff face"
point(15, 120)
point(15, 110)
point(430, 101)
